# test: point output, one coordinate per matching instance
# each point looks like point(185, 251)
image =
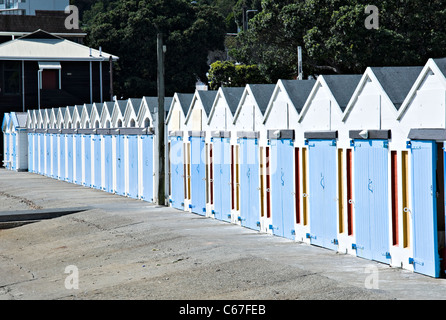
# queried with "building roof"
point(342, 87)
point(207, 99)
point(233, 96)
point(136, 103)
point(21, 118)
point(396, 81)
point(42, 46)
point(109, 106)
point(298, 91)
point(185, 100)
point(262, 93)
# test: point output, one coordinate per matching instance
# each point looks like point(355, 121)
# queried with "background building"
point(30, 7)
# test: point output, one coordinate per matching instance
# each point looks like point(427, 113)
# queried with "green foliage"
point(128, 29)
point(230, 74)
point(334, 38)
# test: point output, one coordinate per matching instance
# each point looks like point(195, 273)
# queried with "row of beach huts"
point(351, 163)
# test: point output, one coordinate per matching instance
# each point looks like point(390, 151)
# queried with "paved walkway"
point(128, 249)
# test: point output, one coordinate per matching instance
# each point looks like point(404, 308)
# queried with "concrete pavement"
point(121, 248)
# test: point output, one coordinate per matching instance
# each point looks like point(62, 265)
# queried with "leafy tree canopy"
point(230, 74)
point(128, 29)
point(334, 38)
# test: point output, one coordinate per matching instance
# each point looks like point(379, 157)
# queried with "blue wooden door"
point(54, 156)
point(48, 155)
point(70, 158)
point(87, 160)
point(62, 157)
point(14, 151)
point(36, 152)
point(108, 164)
point(322, 193)
point(371, 200)
point(41, 139)
point(222, 178)
point(97, 141)
point(249, 184)
point(177, 172)
point(78, 157)
point(120, 171)
point(147, 168)
point(30, 152)
point(282, 186)
point(133, 166)
point(425, 258)
point(7, 156)
point(198, 176)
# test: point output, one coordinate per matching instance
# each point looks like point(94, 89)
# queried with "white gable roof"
point(49, 48)
point(431, 66)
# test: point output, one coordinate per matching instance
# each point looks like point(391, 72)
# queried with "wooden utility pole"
point(160, 121)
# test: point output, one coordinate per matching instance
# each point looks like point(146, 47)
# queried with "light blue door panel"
point(42, 154)
point(120, 171)
point(371, 200)
point(13, 151)
point(78, 157)
point(30, 152)
point(54, 156)
point(177, 172)
point(424, 208)
point(322, 193)
point(198, 176)
point(108, 163)
point(249, 184)
point(133, 166)
point(70, 159)
point(62, 157)
point(97, 140)
point(87, 160)
point(7, 155)
point(48, 155)
point(281, 189)
point(222, 178)
point(147, 168)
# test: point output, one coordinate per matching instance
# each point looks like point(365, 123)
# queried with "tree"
point(334, 38)
point(229, 74)
point(129, 28)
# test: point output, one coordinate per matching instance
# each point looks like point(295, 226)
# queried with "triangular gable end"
point(430, 66)
point(13, 122)
point(368, 76)
point(105, 116)
point(145, 115)
point(29, 119)
point(5, 122)
point(223, 93)
point(191, 107)
point(118, 113)
point(333, 85)
point(281, 87)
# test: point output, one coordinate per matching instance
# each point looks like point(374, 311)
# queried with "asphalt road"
point(127, 249)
